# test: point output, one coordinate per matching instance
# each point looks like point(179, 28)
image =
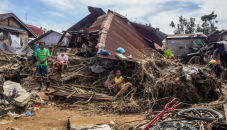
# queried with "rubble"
point(151, 80)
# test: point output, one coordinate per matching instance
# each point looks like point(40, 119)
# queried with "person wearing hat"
point(61, 62)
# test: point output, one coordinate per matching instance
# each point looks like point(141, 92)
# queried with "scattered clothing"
point(190, 70)
point(97, 69)
point(219, 62)
point(28, 113)
point(199, 43)
point(104, 52)
point(121, 50)
point(121, 57)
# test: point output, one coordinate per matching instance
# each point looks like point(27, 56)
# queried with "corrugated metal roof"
point(221, 42)
point(25, 50)
point(13, 29)
point(186, 35)
point(1, 15)
point(36, 30)
point(217, 31)
point(150, 33)
point(94, 14)
point(97, 24)
point(31, 43)
point(117, 33)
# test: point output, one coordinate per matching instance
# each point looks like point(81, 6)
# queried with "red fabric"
point(37, 105)
point(218, 62)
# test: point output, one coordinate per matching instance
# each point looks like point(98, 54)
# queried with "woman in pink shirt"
point(61, 62)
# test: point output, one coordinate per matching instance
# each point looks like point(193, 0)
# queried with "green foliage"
point(172, 24)
point(208, 23)
point(184, 26)
point(222, 30)
point(149, 24)
point(168, 53)
point(188, 27)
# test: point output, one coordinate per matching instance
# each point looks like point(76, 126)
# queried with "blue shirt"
point(36, 48)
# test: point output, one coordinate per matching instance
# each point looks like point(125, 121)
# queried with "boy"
point(119, 83)
point(61, 62)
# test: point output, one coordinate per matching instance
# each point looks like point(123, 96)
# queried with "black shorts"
point(42, 71)
point(64, 66)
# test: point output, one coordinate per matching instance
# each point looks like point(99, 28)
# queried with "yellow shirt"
point(117, 80)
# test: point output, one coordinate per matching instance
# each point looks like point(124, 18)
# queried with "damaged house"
point(51, 39)
point(184, 45)
point(217, 49)
point(109, 31)
point(13, 31)
point(214, 49)
point(213, 37)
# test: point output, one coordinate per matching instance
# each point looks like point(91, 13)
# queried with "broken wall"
point(23, 39)
point(182, 47)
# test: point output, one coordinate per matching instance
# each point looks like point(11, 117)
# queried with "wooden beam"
point(71, 94)
point(225, 110)
point(59, 44)
point(62, 36)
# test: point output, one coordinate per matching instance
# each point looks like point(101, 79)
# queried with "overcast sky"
point(62, 14)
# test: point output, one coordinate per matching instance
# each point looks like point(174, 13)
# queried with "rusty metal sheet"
point(97, 24)
point(122, 34)
point(150, 33)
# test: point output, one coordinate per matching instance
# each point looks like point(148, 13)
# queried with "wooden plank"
point(62, 36)
point(225, 109)
point(56, 46)
point(71, 94)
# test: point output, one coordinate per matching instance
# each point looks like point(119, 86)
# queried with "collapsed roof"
point(94, 14)
point(112, 31)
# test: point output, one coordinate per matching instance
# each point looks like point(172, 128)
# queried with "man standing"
point(42, 56)
point(61, 62)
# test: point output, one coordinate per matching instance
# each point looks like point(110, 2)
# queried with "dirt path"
point(53, 118)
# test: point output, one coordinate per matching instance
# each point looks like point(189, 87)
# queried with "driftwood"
point(70, 95)
point(77, 75)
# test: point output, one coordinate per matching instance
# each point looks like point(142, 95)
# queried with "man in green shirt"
point(42, 55)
